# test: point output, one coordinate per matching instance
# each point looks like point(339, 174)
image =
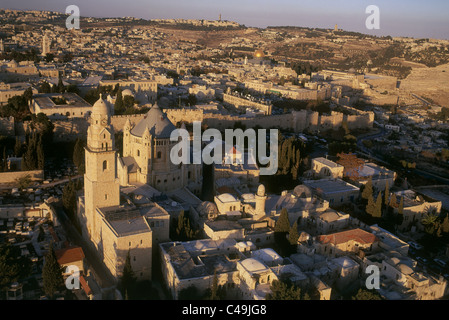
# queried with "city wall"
point(11, 177)
point(296, 121)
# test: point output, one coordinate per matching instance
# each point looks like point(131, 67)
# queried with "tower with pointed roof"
point(101, 186)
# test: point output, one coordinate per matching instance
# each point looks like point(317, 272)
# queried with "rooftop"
point(327, 162)
point(68, 255)
point(357, 235)
point(73, 100)
point(129, 227)
point(221, 225)
point(328, 186)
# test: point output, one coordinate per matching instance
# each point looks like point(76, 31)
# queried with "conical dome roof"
point(157, 123)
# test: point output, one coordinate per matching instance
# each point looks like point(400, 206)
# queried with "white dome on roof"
point(405, 269)
point(253, 265)
point(127, 92)
point(100, 107)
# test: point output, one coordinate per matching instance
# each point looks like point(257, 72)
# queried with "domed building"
point(259, 54)
point(146, 155)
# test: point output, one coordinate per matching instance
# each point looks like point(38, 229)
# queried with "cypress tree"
point(378, 206)
point(368, 189)
point(40, 155)
point(119, 106)
point(214, 289)
point(60, 88)
point(78, 155)
point(283, 224)
point(371, 206)
point(52, 274)
point(5, 160)
point(293, 234)
point(393, 201)
point(128, 278)
point(445, 225)
point(18, 148)
point(401, 206)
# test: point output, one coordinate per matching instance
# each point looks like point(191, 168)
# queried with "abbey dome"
point(157, 123)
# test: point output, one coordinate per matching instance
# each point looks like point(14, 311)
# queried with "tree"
point(293, 234)
point(378, 206)
point(430, 222)
point(13, 266)
point(40, 154)
point(401, 206)
point(119, 106)
point(283, 223)
point(52, 274)
point(29, 160)
point(78, 155)
point(28, 94)
point(364, 294)
point(368, 189)
point(18, 148)
point(214, 289)
point(387, 194)
point(23, 182)
point(128, 279)
point(393, 201)
point(60, 87)
point(49, 57)
point(351, 164)
point(445, 224)
point(45, 88)
point(282, 290)
point(371, 206)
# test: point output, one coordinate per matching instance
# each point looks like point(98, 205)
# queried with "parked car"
point(415, 246)
point(440, 262)
point(422, 260)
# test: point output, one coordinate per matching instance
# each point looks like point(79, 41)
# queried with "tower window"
point(106, 196)
point(159, 154)
point(105, 165)
point(138, 153)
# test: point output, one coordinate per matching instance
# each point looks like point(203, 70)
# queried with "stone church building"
point(114, 224)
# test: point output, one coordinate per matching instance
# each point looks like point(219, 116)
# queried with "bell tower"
point(101, 185)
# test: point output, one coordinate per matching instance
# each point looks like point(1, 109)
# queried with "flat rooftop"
point(129, 227)
point(327, 162)
point(44, 101)
point(328, 186)
point(223, 225)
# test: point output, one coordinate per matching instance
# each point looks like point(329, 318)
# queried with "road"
point(104, 277)
point(368, 152)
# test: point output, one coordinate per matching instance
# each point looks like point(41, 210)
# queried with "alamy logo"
point(373, 280)
point(212, 153)
point(373, 20)
point(73, 280)
point(73, 21)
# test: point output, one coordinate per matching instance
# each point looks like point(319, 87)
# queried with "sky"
point(411, 18)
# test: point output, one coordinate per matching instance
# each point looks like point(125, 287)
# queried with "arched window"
point(138, 153)
point(105, 165)
point(159, 154)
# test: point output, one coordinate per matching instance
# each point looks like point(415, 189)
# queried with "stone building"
point(146, 155)
point(115, 229)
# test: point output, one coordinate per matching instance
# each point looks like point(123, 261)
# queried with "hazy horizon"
point(410, 18)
